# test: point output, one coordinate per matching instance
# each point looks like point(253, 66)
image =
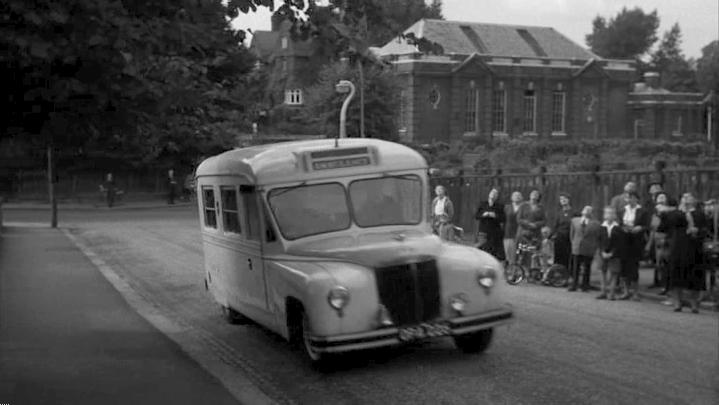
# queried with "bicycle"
point(518, 271)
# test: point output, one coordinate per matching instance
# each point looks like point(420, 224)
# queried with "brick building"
point(657, 113)
point(501, 80)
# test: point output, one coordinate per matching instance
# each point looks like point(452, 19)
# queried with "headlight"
point(338, 297)
point(458, 302)
point(486, 278)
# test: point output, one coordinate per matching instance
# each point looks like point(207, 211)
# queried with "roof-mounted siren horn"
point(344, 86)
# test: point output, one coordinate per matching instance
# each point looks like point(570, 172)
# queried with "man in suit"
point(584, 234)
point(635, 222)
point(610, 245)
point(620, 200)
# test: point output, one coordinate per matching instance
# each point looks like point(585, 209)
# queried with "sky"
point(698, 19)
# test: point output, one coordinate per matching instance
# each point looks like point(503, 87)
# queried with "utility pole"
point(361, 94)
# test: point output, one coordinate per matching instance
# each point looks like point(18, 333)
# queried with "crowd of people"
point(671, 233)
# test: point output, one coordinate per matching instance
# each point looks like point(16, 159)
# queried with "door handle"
point(249, 263)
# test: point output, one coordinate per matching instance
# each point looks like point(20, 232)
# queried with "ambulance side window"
point(251, 211)
point(230, 210)
point(210, 209)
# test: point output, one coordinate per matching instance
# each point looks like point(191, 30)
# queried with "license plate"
point(423, 331)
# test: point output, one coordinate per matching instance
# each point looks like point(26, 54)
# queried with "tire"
point(558, 276)
point(320, 361)
point(476, 342)
point(233, 317)
point(514, 274)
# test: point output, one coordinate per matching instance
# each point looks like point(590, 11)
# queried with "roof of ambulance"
point(280, 162)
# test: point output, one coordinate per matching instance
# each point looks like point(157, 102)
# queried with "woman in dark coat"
point(635, 221)
point(490, 217)
point(562, 244)
point(682, 259)
point(531, 219)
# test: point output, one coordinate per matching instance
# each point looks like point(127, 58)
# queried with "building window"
point(559, 112)
point(529, 112)
point(285, 42)
point(230, 210)
point(499, 112)
point(677, 131)
point(284, 65)
point(434, 97)
point(471, 101)
point(293, 97)
point(208, 203)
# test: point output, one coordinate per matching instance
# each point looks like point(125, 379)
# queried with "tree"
point(323, 103)
point(708, 68)
point(628, 35)
point(708, 78)
point(138, 82)
point(676, 72)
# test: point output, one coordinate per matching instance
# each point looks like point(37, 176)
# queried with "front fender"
point(311, 282)
point(459, 267)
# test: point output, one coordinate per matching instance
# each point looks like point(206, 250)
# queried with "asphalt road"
point(565, 348)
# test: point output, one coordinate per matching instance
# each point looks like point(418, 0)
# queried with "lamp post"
point(344, 86)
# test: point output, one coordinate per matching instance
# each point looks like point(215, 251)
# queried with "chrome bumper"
point(390, 336)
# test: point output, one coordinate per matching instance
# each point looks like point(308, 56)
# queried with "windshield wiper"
point(287, 189)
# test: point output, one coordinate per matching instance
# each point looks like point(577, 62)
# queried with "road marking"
point(191, 341)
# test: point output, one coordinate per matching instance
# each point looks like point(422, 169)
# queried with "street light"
point(344, 86)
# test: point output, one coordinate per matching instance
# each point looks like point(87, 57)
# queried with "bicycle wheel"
point(514, 274)
point(558, 276)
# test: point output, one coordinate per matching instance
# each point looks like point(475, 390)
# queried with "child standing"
point(546, 250)
point(610, 243)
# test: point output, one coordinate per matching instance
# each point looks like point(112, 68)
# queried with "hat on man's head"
point(564, 194)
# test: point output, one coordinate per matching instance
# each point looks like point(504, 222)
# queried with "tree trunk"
point(51, 187)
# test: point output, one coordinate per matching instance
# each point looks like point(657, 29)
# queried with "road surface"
point(565, 348)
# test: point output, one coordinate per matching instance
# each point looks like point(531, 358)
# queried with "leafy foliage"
point(708, 68)
point(530, 155)
point(139, 81)
point(323, 103)
point(668, 59)
point(342, 34)
point(629, 34)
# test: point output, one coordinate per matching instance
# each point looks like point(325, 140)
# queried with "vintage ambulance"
point(329, 244)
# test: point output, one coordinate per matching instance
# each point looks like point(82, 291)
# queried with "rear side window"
point(208, 203)
point(252, 213)
point(230, 210)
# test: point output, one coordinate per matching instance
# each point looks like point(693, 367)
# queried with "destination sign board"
point(341, 163)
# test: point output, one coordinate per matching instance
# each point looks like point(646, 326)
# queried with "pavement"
point(68, 337)
point(96, 206)
point(564, 348)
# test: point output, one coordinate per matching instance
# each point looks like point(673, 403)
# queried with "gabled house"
point(291, 64)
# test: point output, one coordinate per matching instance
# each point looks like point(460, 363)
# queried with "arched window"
point(293, 97)
point(499, 110)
